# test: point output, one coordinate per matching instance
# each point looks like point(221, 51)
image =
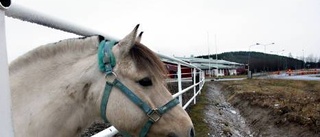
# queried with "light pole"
point(209, 71)
point(303, 58)
point(250, 55)
point(215, 43)
point(249, 72)
point(265, 48)
point(265, 45)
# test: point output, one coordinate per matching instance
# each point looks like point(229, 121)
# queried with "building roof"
point(211, 61)
point(206, 63)
point(172, 62)
point(213, 66)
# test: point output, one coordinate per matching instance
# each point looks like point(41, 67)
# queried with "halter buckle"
point(154, 115)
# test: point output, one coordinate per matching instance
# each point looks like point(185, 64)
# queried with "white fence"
point(6, 126)
point(25, 14)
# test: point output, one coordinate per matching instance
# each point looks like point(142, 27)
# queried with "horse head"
point(141, 71)
point(60, 84)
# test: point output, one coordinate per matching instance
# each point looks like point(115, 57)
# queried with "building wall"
point(173, 69)
point(233, 71)
point(218, 72)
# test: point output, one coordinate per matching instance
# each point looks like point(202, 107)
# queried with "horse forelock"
point(76, 47)
point(147, 60)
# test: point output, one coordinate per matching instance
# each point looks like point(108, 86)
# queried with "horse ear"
point(139, 37)
point(128, 41)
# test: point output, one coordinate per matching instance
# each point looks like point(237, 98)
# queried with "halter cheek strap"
point(106, 62)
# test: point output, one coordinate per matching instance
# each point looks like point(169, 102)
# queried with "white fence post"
point(6, 126)
point(202, 79)
point(194, 82)
point(179, 82)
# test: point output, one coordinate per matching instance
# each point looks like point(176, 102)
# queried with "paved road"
point(224, 79)
point(313, 77)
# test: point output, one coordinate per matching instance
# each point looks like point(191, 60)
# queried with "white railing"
point(25, 14)
point(6, 126)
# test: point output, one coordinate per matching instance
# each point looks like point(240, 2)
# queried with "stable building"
point(213, 67)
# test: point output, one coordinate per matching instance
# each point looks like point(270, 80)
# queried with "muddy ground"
point(222, 118)
point(274, 108)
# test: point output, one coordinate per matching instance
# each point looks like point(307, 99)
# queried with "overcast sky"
point(182, 27)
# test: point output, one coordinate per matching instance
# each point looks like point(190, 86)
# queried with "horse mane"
point(147, 60)
point(80, 47)
point(144, 58)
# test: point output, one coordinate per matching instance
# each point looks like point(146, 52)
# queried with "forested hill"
point(260, 61)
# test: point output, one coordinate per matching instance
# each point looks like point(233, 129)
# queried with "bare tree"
point(311, 58)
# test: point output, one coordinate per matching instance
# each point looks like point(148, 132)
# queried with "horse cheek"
point(123, 114)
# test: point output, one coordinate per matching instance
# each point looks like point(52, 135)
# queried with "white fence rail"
point(25, 14)
point(6, 126)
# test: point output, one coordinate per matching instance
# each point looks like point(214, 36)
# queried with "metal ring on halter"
point(110, 74)
point(115, 74)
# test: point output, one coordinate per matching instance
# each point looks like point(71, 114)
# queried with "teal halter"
point(106, 62)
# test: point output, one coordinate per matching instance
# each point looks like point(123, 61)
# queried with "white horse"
point(58, 89)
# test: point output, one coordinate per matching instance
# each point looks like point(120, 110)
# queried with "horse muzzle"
point(191, 133)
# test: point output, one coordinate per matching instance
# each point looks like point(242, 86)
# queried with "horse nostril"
point(192, 133)
point(171, 134)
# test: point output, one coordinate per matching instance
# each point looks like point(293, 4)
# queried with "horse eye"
point(145, 82)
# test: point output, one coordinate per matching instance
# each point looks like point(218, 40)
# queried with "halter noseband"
point(107, 61)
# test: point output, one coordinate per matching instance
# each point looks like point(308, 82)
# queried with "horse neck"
point(70, 83)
